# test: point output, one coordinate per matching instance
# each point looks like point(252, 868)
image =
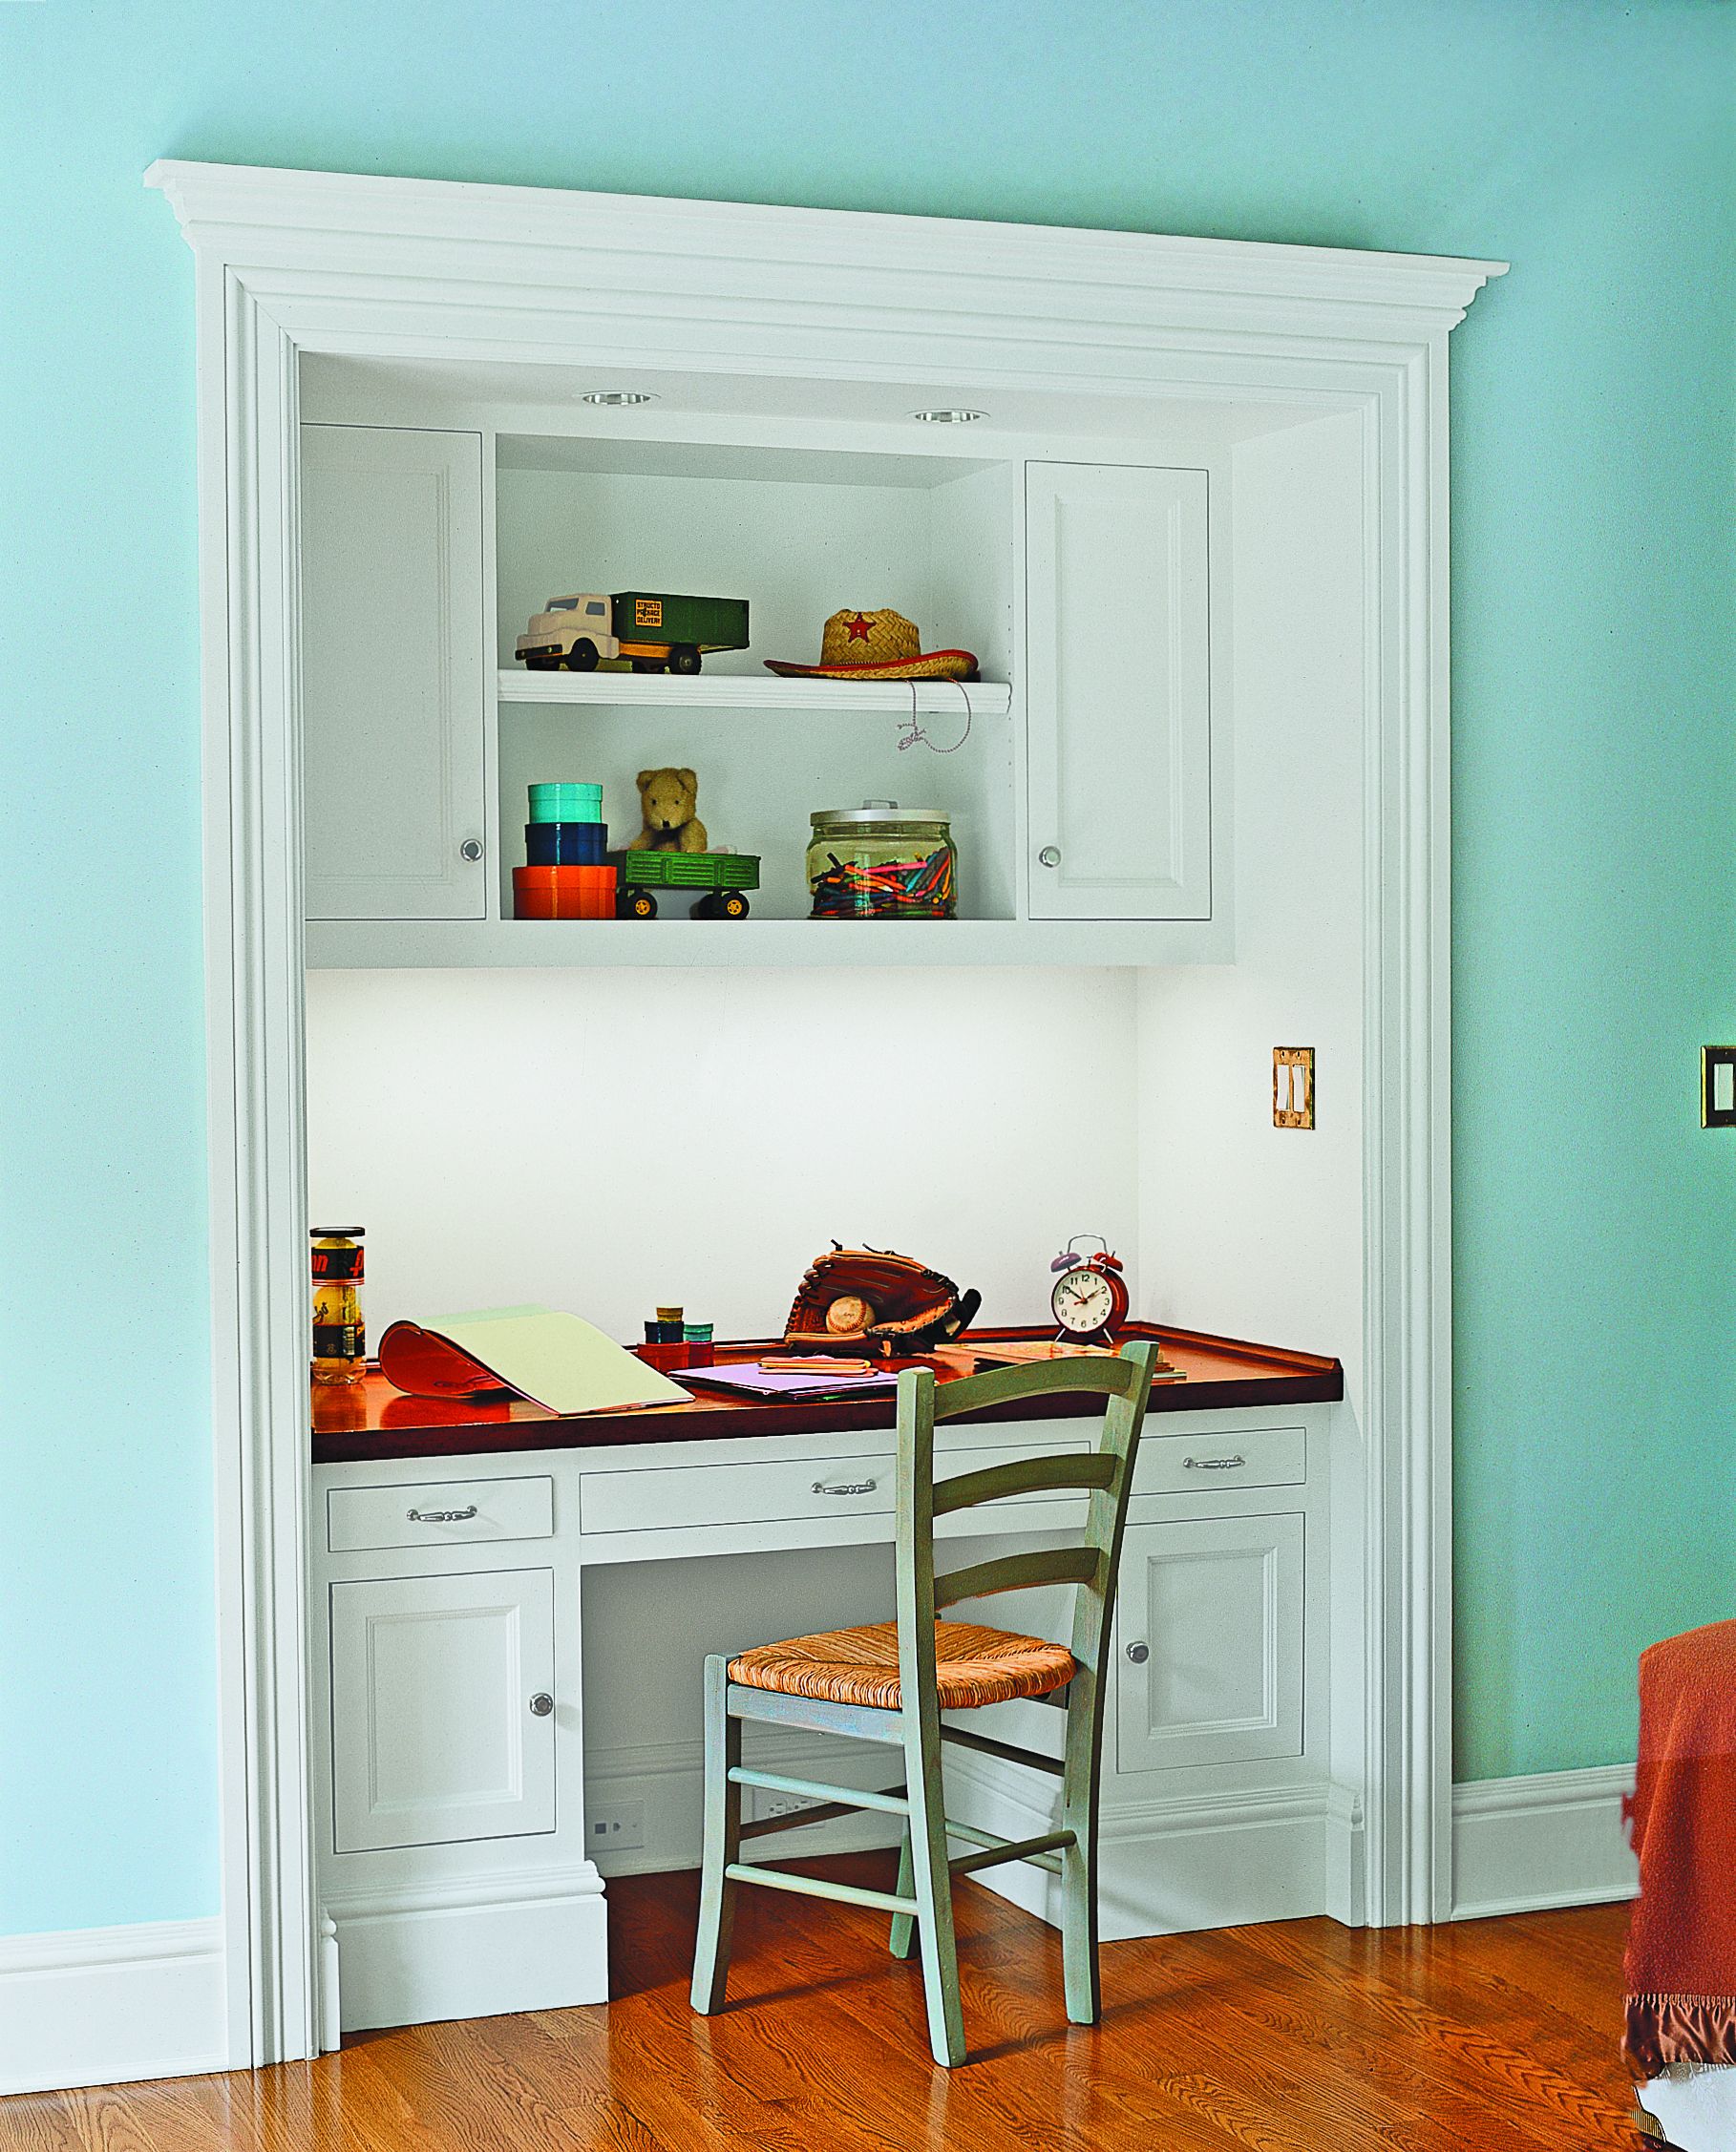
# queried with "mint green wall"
point(1595, 788)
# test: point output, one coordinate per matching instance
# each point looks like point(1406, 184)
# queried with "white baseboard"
point(1555, 1839)
point(105, 2006)
point(1172, 1865)
point(475, 1947)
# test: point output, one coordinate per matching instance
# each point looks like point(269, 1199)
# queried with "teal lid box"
point(566, 803)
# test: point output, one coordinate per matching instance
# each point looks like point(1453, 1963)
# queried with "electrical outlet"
point(619, 1829)
point(766, 1804)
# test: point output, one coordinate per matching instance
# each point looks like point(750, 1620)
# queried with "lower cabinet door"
point(1209, 1644)
point(442, 1726)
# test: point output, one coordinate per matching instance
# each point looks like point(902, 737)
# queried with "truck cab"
point(575, 632)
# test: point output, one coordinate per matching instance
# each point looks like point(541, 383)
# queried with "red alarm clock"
point(1090, 1298)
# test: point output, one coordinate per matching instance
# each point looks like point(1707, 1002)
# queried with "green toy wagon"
point(721, 876)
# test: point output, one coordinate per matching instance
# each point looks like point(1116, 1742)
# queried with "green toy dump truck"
point(720, 877)
point(654, 630)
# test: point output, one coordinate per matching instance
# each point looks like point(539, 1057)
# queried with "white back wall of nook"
point(605, 1140)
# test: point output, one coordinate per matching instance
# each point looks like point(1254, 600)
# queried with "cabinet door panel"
point(1218, 1605)
point(432, 1737)
point(1119, 693)
point(391, 672)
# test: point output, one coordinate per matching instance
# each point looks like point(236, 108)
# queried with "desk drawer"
point(438, 1513)
point(1221, 1464)
point(670, 1499)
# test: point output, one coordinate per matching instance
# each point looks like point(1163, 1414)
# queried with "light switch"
point(1293, 1087)
point(1718, 1087)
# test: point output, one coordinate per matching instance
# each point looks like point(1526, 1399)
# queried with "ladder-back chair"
point(891, 1681)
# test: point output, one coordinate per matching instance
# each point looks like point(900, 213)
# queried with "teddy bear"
point(667, 804)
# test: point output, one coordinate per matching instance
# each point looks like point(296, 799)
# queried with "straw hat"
point(883, 645)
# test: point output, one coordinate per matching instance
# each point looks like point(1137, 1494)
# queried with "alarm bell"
point(1069, 1257)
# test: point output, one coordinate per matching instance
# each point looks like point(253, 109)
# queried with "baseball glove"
point(869, 1296)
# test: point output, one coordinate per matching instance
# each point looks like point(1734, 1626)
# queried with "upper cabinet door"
point(393, 673)
point(1119, 693)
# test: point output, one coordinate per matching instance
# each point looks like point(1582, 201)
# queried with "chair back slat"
point(1057, 1473)
point(1124, 1382)
point(1087, 1375)
point(1020, 1572)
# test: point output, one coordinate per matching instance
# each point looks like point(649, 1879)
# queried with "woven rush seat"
point(973, 1666)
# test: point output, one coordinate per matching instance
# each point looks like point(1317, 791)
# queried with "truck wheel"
point(581, 658)
point(733, 904)
point(685, 659)
point(638, 905)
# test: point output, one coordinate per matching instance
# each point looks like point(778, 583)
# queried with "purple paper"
point(750, 1380)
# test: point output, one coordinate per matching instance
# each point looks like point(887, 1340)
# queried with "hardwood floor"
point(1494, 2035)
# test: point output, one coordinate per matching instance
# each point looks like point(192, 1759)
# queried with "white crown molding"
point(254, 215)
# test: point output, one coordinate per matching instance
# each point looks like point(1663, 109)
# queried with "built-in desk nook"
point(734, 728)
point(466, 1806)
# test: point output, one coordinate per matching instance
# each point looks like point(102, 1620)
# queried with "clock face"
point(1083, 1300)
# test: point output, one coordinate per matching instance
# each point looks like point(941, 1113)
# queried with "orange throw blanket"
point(1682, 1941)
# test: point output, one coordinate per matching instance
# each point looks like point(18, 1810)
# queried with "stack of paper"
point(558, 1360)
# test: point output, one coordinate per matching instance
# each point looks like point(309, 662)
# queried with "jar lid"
point(337, 1233)
point(874, 811)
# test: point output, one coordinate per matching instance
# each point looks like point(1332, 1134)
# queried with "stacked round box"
point(565, 839)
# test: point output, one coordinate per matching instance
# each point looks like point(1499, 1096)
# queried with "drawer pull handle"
point(846, 1487)
point(542, 1705)
point(1213, 1463)
point(1139, 1653)
point(441, 1516)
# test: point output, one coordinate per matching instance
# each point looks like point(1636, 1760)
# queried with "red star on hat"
point(859, 628)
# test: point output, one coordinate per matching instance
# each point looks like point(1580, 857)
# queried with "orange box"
point(563, 893)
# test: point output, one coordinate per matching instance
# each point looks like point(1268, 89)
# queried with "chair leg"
point(904, 1924)
point(932, 1879)
point(722, 1843)
point(1079, 1915)
point(1079, 1860)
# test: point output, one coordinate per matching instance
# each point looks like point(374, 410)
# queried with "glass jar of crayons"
point(881, 861)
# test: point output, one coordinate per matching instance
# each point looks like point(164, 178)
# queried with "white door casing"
point(295, 261)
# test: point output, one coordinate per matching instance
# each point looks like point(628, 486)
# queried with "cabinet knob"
point(542, 1705)
point(470, 849)
point(1139, 1653)
point(1050, 855)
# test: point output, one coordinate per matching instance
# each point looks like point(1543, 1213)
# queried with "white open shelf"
point(739, 691)
point(513, 944)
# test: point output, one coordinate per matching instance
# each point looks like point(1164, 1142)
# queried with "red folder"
point(428, 1365)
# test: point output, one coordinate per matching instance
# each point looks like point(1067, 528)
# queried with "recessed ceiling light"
point(616, 399)
point(946, 417)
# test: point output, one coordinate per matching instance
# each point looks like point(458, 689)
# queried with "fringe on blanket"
point(1665, 2031)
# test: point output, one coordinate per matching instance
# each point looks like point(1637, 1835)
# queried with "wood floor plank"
point(1497, 2036)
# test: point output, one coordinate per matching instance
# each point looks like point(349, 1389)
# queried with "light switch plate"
point(1718, 1087)
point(1293, 1087)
